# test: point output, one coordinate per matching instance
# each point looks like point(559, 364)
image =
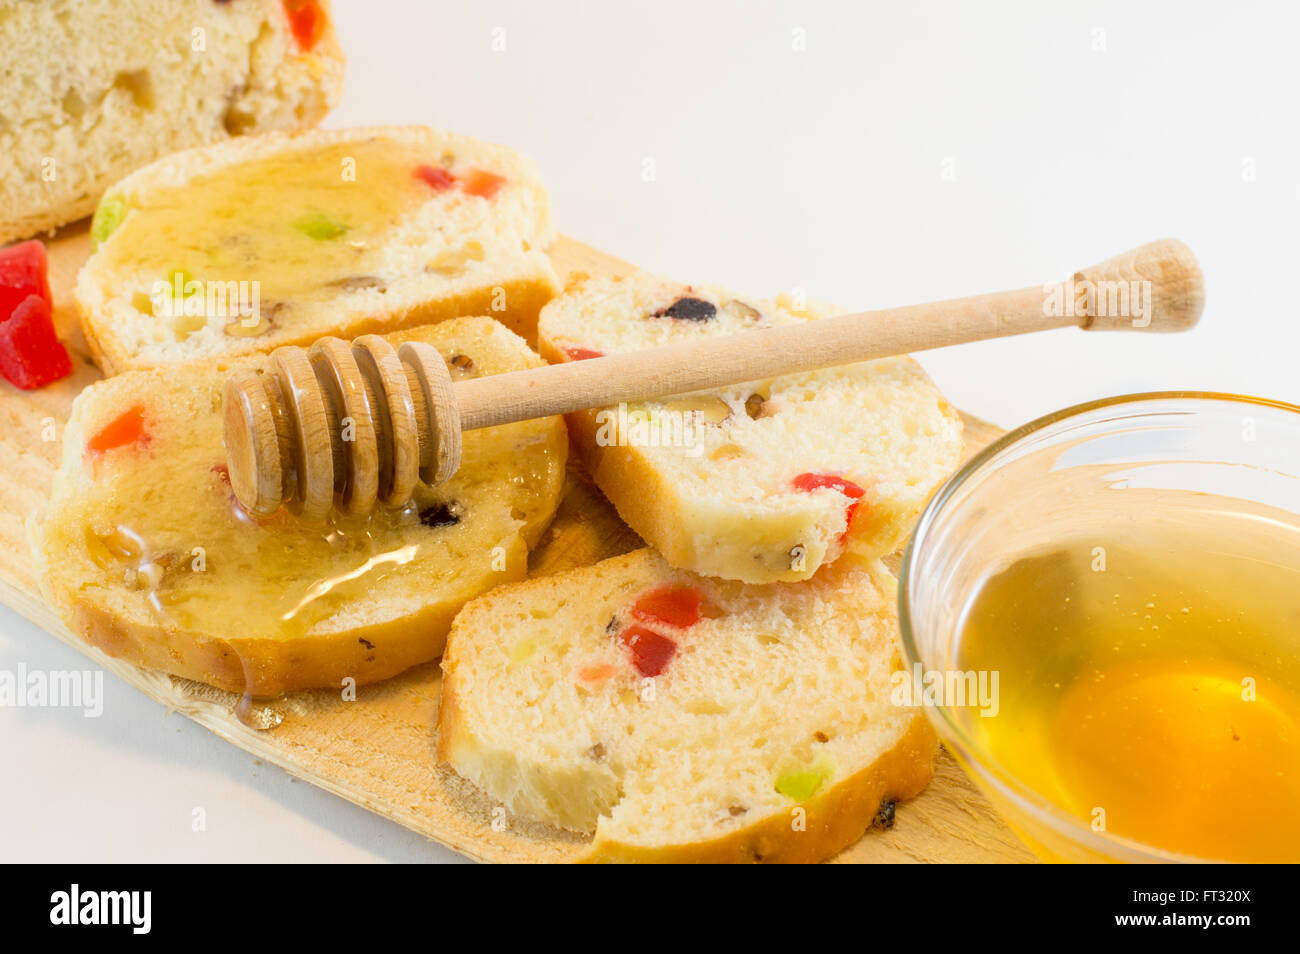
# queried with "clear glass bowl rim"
point(972, 758)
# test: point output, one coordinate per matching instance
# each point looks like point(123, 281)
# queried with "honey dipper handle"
point(1156, 287)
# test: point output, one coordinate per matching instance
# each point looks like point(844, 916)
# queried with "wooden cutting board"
point(378, 750)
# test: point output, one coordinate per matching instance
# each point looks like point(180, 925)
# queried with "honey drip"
point(147, 569)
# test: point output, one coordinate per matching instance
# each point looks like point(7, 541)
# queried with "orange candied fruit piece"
point(581, 354)
point(306, 21)
point(482, 184)
point(594, 672)
point(125, 429)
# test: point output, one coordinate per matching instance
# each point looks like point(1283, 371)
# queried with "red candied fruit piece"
point(483, 184)
point(31, 354)
point(581, 354)
point(811, 482)
point(651, 651)
point(437, 178)
point(24, 271)
point(674, 605)
point(475, 182)
point(124, 430)
point(306, 21)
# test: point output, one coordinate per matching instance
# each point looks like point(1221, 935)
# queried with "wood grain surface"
point(378, 750)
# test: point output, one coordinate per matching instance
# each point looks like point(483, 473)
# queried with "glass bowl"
point(1083, 467)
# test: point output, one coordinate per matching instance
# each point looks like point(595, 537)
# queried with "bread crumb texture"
point(146, 554)
point(94, 90)
point(280, 239)
point(778, 477)
point(675, 717)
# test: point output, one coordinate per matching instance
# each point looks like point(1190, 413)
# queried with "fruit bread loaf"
point(280, 239)
point(678, 718)
point(765, 481)
point(145, 553)
point(94, 90)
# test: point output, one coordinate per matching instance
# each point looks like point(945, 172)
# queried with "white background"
point(909, 152)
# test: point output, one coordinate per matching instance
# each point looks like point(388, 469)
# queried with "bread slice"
point(95, 89)
point(677, 718)
point(280, 239)
point(145, 553)
point(774, 478)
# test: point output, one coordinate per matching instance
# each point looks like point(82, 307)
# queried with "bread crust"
point(829, 822)
point(524, 294)
point(650, 503)
point(644, 497)
point(706, 533)
point(367, 654)
point(180, 167)
point(366, 650)
point(833, 820)
point(515, 299)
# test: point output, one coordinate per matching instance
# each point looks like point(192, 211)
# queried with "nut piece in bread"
point(280, 239)
point(96, 89)
point(764, 481)
point(145, 553)
point(678, 718)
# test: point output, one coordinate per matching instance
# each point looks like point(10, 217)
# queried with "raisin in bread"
point(679, 718)
point(95, 89)
point(765, 481)
point(145, 553)
point(281, 239)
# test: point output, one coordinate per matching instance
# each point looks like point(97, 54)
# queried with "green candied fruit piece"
point(108, 216)
point(319, 226)
point(184, 277)
point(523, 650)
point(803, 783)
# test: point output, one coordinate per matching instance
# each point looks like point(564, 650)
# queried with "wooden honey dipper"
point(286, 430)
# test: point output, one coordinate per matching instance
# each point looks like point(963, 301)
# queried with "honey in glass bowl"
point(1148, 682)
point(1130, 573)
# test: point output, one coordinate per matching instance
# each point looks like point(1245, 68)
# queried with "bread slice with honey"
point(678, 718)
point(94, 90)
point(281, 239)
point(765, 481)
point(145, 553)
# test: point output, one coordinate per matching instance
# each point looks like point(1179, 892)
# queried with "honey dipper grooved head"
point(254, 458)
point(313, 428)
point(342, 425)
